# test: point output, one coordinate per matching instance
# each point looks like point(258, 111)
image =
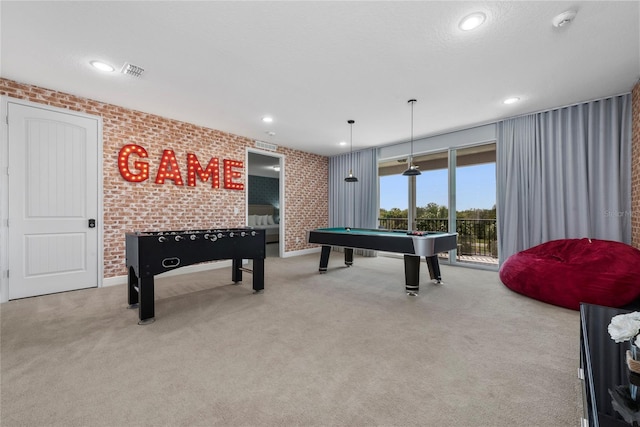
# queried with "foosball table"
point(151, 253)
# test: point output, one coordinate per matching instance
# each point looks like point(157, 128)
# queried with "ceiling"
point(314, 65)
point(263, 165)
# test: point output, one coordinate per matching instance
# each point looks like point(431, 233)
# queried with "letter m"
point(194, 167)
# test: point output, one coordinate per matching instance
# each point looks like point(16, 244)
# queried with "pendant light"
point(413, 169)
point(350, 177)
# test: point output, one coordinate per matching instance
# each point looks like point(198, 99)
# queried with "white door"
point(53, 186)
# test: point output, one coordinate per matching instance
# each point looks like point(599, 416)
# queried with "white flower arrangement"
point(624, 327)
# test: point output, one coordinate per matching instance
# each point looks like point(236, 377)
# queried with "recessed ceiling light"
point(102, 66)
point(472, 21)
point(267, 119)
point(343, 143)
point(511, 100)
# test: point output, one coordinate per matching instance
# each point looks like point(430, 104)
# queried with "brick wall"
point(149, 206)
point(306, 201)
point(635, 168)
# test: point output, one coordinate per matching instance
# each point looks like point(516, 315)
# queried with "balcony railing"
point(476, 237)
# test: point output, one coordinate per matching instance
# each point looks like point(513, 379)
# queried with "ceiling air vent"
point(266, 146)
point(132, 70)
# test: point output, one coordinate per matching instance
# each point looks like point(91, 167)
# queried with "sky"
point(476, 188)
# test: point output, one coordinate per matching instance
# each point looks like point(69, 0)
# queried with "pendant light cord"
point(412, 169)
point(350, 177)
point(351, 143)
point(412, 101)
point(412, 133)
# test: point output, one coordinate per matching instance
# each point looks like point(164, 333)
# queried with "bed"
point(263, 216)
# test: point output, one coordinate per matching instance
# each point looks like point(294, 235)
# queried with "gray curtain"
point(565, 173)
point(354, 204)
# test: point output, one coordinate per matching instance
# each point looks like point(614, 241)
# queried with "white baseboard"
point(122, 280)
point(301, 252)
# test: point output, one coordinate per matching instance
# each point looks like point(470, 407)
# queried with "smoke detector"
point(132, 70)
point(564, 18)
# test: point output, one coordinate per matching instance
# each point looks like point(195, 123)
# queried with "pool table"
point(413, 244)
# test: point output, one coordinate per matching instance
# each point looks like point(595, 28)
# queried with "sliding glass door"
point(393, 195)
point(456, 192)
point(475, 204)
point(432, 192)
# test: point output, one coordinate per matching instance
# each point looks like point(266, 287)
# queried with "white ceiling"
point(315, 65)
point(263, 165)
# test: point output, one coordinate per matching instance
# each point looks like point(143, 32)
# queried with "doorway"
point(265, 197)
point(53, 198)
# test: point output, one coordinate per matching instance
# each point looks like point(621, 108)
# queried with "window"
point(456, 192)
point(432, 192)
point(394, 196)
point(475, 204)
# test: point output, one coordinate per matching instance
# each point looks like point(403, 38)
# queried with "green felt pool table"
point(413, 245)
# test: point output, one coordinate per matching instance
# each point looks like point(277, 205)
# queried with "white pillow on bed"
point(251, 221)
point(264, 220)
point(270, 220)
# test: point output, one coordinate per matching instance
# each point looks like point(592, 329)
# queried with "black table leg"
point(133, 292)
point(146, 311)
point(236, 272)
point(434, 268)
point(324, 258)
point(348, 257)
point(258, 274)
point(412, 274)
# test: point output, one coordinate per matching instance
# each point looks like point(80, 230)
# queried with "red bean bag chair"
point(570, 271)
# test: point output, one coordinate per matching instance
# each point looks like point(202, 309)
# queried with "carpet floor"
point(345, 348)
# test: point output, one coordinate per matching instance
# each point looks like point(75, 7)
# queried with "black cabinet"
point(607, 383)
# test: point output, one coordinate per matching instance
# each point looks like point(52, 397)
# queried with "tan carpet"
point(344, 348)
